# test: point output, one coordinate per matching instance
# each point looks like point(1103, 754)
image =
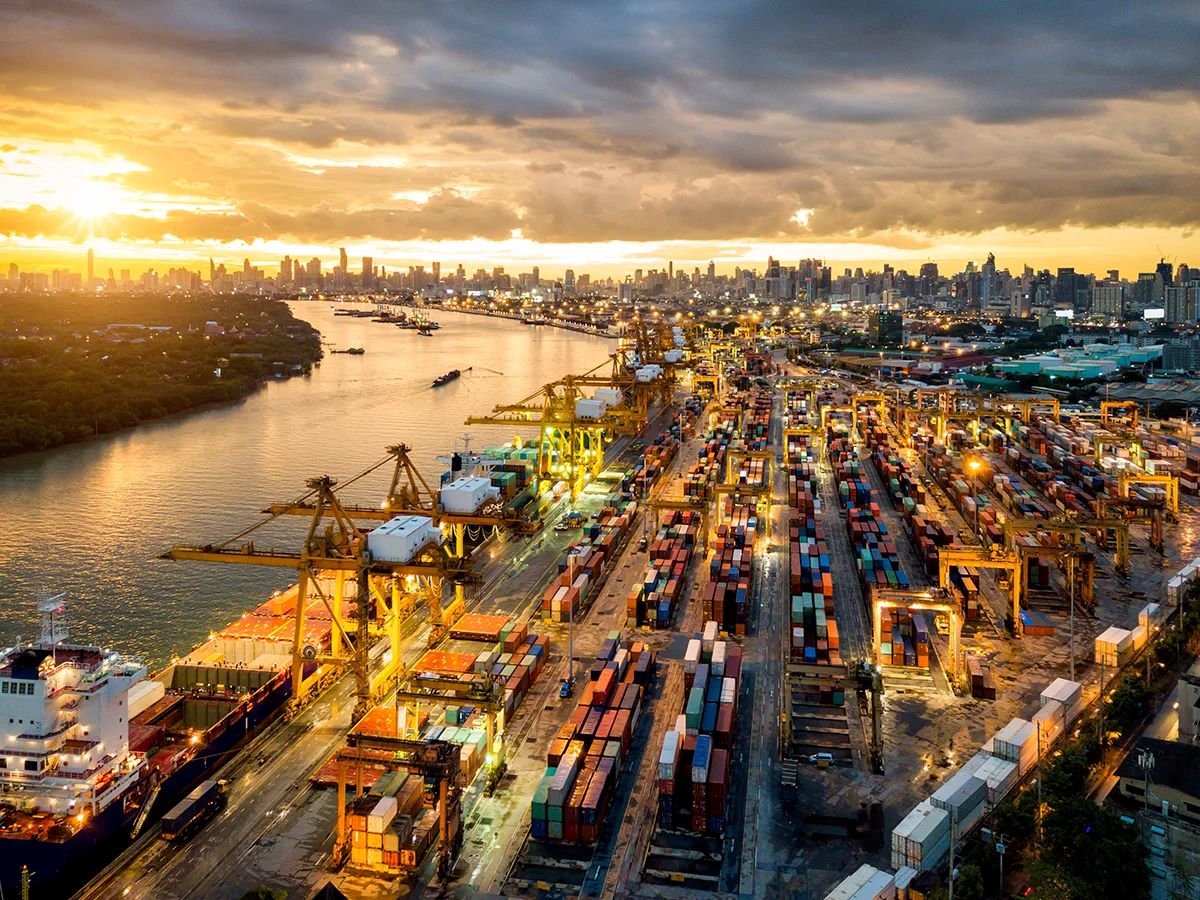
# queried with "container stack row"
point(584, 759)
point(587, 562)
point(726, 595)
point(922, 839)
point(654, 600)
point(694, 759)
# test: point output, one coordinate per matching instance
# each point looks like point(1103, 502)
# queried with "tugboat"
point(450, 376)
point(353, 351)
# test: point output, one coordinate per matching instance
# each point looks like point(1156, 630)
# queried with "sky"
point(601, 136)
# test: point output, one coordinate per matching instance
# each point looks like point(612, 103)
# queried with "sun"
point(89, 200)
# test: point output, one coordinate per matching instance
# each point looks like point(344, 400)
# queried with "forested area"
point(66, 375)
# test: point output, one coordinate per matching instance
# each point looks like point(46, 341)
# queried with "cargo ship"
point(450, 376)
point(95, 748)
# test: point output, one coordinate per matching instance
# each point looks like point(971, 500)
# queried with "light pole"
point(974, 465)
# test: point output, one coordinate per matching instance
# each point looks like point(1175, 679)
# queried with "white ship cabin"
point(64, 728)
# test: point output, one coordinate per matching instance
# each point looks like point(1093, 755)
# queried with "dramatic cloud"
point(898, 124)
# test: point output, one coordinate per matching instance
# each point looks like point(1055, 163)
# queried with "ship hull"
point(61, 867)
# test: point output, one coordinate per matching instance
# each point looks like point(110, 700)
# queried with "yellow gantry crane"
point(1074, 527)
point(334, 545)
point(1137, 511)
point(571, 446)
point(1114, 411)
point(1169, 484)
point(917, 599)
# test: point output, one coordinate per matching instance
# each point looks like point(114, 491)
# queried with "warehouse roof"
point(1176, 765)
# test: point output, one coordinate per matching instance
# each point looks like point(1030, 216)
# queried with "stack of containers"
point(922, 839)
point(694, 759)
point(726, 596)
point(585, 565)
point(814, 630)
point(584, 759)
point(867, 883)
point(389, 830)
point(653, 601)
point(906, 638)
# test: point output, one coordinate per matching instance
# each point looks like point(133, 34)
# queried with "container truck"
point(189, 814)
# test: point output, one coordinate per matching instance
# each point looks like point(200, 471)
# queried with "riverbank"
point(562, 324)
point(73, 368)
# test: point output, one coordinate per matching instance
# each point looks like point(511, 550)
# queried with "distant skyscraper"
point(437, 272)
point(285, 270)
point(712, 271)
point(344, 260)
point(91, 263)
point(368, 273)
point(1164, 269)
point(569, 283)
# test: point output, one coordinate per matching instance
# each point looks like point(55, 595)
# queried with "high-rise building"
point(569, 283)
point(1180, 303)
point(285, 270)
point(712, 271)
point(368, 273)
point(886, 326)
point(343, 260)
point(437, 272)
point(314, 271)
point(1064, 289)
point(91, 267)
point(1108, 299)
point(1164, 269)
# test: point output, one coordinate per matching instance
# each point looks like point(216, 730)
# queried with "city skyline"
point(584, 140)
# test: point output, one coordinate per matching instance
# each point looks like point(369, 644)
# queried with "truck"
point(189, 814)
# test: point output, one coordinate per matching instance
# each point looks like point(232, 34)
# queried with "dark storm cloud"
point(642, 120)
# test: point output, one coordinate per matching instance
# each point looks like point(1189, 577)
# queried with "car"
point(565, 689)
point(821, 760)
point(561, 526)
point(642, 545)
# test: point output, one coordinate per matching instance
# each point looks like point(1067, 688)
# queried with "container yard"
point(801, 638)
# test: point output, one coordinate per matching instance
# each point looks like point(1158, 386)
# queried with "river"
point(91, 519)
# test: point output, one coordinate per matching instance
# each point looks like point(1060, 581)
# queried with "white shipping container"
point(609, 396)
point(1151, 614)
point(1017, 742)
point(383, 813)
point(718, 658)
point(728, 690)
point(709, 636)
point(691, 658)
point(668, 758)
point(1114, 646)
point(1001, 777)
point(849, 887)
point(1049, 722)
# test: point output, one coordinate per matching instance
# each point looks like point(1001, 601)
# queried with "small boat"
point(353, 351)
point(450, 376)
point(424, 332)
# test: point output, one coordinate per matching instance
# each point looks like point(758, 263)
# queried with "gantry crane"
point(694, 504)
point(1074, 527)
point(857, 400)
point(915, 598)
point(334, 544)
point(1169, 484)
point(438, 762)
point(571, 447)
point(998, 558)
point(1137, 511)
point(1111, 411)
point(409, 494)
point(481, 691)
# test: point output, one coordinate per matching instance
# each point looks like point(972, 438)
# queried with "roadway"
point(276, 829)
